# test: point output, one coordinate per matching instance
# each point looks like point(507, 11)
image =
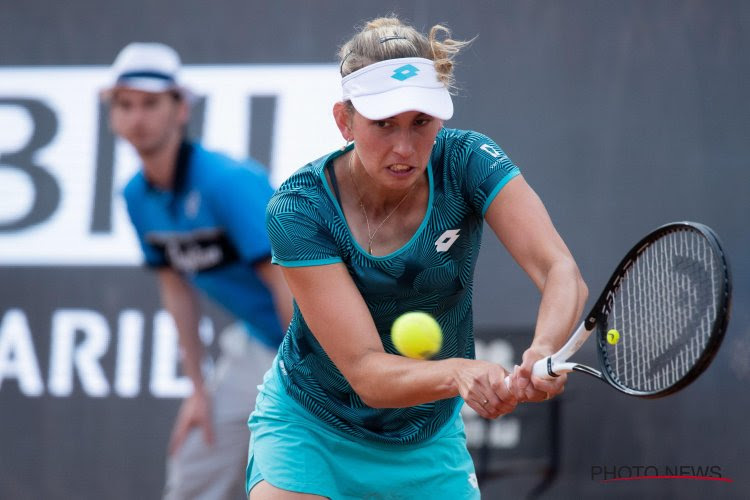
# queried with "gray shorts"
point(198, 471)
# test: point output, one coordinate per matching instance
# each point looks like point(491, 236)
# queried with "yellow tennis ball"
point(417, 335)
point(613, 336)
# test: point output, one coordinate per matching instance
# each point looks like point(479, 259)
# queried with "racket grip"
point(539, 369)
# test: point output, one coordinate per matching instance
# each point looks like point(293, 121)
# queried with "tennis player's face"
point(395, 151)
point(149, 121)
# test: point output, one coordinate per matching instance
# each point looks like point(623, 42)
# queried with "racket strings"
point(664, 310)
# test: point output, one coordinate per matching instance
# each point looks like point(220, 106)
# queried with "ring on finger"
point(484, 402)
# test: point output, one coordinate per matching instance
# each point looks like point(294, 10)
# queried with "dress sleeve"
point(485, 170)
point(300, 232)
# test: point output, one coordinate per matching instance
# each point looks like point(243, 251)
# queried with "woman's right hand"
point(482, 385)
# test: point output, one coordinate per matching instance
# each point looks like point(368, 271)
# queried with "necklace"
point(371, 234)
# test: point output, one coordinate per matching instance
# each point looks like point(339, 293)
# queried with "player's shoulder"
point(304, 186)
point(456, 149)
point(456, 142)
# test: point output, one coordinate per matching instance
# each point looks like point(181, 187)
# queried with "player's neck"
point(381, 202)
point(159, 165)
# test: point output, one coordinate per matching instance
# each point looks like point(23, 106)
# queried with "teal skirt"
point(292, 450)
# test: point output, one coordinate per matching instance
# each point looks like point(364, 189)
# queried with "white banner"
point(50, 130)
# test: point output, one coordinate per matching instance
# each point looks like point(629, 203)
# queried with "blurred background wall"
point(622, 115)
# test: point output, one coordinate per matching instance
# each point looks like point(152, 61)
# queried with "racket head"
point(669, 300)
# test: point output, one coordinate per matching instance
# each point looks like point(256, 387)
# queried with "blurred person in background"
point(200, 220)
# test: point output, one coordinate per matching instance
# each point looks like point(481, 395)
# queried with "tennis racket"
point(661, 318)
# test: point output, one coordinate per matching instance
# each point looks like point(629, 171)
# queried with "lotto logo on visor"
point(405, 72)
point(395, 86)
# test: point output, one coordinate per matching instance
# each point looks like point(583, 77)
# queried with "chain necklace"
point(371, 234)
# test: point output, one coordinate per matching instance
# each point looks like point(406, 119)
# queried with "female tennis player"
point(389, 224)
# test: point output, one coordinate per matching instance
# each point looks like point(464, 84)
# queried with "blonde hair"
point(388, 38)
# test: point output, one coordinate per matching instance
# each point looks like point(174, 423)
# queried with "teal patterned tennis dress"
point(432, 272)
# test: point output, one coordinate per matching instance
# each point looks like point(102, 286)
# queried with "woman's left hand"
point(527, 387)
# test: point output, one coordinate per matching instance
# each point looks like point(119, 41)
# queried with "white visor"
point(387, 88)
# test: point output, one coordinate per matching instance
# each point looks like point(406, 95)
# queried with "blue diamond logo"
point(404, 72)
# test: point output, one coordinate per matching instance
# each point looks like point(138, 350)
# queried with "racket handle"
point(539, 369)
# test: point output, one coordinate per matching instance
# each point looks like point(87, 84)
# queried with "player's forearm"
point(385, 380)
point(564, 295)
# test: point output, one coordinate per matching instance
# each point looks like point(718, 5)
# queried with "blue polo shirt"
point(210, 227)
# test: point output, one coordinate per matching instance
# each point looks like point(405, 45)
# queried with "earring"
point(346, 145)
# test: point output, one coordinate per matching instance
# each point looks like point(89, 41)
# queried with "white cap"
point(393, 86)
point(150, 67)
